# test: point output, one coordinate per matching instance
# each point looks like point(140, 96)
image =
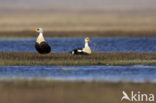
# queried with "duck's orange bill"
point(89, 40)
point(35, 30)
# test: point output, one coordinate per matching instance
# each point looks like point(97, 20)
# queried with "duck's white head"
point(86, 48)
point(39, 30)
point(87, 39)
point(40, 37)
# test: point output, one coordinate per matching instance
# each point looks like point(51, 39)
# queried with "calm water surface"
point(96, 44)
point(138, 73)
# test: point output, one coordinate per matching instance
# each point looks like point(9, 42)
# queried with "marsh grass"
point(38, 91)
point(116, 58)
point(30, 34)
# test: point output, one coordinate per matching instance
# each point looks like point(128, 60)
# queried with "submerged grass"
point(38, 91)
point(116, 58)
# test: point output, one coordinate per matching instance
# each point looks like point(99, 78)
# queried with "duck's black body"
point(43, 47)
point(79, 51)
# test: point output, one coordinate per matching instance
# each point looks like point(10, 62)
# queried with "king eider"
point(83, 51)
point(41, 45)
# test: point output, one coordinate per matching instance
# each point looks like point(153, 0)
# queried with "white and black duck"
point(83, 51)
point(41, 45)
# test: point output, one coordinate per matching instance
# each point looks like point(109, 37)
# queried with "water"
point(85, 73)
point(136, 73)
point(97, 44)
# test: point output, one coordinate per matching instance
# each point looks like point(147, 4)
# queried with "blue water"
point(82, 73)
point(97, 44)
point(136, 73)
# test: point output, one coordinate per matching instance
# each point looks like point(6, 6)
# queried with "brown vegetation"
point(68, 92)
point(29, 34)
point(30, 58)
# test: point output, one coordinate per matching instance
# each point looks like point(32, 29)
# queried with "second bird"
point(83, 51)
